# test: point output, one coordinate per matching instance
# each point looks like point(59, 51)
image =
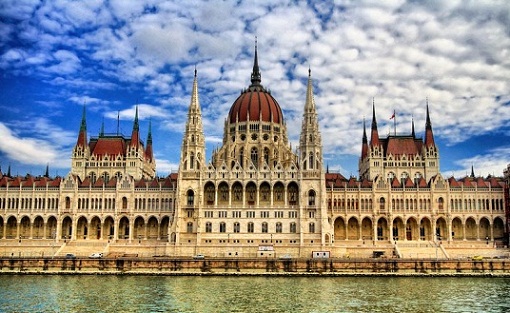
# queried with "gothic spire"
point(82, 136)
point(429, 135)
point(364, 142)
point(374, 136)
point(135, 135)
point(412, 127)
point(149, 155)
point(255, 75)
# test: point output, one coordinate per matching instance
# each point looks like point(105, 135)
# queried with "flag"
point(393, 116)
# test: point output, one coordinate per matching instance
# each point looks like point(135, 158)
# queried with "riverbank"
point(256, 267)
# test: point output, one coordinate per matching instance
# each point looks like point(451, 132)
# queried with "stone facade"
point(257, 194)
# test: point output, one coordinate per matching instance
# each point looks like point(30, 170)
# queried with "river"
point(105, 293)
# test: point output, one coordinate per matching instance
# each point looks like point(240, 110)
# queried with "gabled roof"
point(402, 145)
point(335, 179)
point(111, 146)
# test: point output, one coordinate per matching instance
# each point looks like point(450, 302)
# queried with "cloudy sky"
point(57, 56)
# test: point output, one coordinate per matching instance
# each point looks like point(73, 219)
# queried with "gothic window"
point(237, 193)
point(223, 192)
point(192, 138)
point(208, 227)
point(310, 160)
point(241, 157)
point(254, 156)
point(189, 227)
point(251, 191)
point(293, 227)
point(417, 178)
point(191, 160)
point(311, 197)
point(382, 203)
point(310, 138)
point(209, 193)
point(93, 177)
point(278, 227)
point(237, 227)
point(390, 177)
point(403, 178)
point(278, 193)
point(266, 155)
point(191, 197)
point(223, 227)
point(264, 227)
point(251, 227)
point(311, 228)
point(264, 193)
point(440, 203)
point(293, 194)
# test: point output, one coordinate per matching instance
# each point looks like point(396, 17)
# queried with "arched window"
point(241, 157)
point(106, 177)
point(390, 177)
point(254, 156)
point(223, 227)
point(191, 197)
point(382, 204)
point(278, 227)
point(311, 228)
point(440, 203)
point(310, 160)
point(264, 227)
point(191, 160)
point(403, 178)
point(93, 177)
point(251, 227)
point(237, 227)
point(266, 155)
point(311, 197)
point(208, 227)
point(189, 227)
point(293, 227)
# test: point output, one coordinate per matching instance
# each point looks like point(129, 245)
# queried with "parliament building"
point(257, 196)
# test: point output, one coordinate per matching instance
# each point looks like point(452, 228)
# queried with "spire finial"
point(136, 126)
point(255, 75)
point(412, 126)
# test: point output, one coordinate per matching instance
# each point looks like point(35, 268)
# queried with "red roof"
point(111, 146)
point(336, 179)
point(256, 104)
point(402, 145)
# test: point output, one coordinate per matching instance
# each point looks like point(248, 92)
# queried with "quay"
point(132, 265)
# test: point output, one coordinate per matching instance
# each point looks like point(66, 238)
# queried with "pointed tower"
point(149, 155)
point(430, 150)
point(135, 153)
point(364, 142)
point(81, 151)
point(193, 142)
point(371, 162)
point(310, 142)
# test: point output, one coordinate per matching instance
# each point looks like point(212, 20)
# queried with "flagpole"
point(394, 123)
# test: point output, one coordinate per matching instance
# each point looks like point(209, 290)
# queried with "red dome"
point(256, 103)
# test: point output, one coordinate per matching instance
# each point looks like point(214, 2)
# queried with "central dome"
point(255, 103)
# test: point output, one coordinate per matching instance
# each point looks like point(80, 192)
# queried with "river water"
point(105, 293)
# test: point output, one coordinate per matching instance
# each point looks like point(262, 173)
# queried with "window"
point(236, 214)
point(191, 197)
point(292, 214)
point(311, 214)
point(189, 227)
point(278, 214)
point(250, 227)
point(222, 214)
point(223, 227)
point(209, 214)
point(254, 156)
point(237, 227)
point(264, 214)
point(293, 227)
point(278, 227)
point(311, 198)
point(264, 227)
point(208, 227)
point(311, 227)
point(250, 214)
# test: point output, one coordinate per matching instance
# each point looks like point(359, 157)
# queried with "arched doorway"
point(353, 229)
point(124, 228)
point(382, 229)
point(399, 230)
point(442, 229)
point(51, 227)
point(485, 229)
point(38, 228)
point(95, 228)
point(471, 229)
point(82, 230)
point(426, 232)
point(109, 228)
point(163, 229)
point(339, 229)
point(152, 228)
point(67, 228)
point(412, 231)
point(367, 229)
point(499, 229)
point(12, 228)
point(139, 229)
point(24, 229)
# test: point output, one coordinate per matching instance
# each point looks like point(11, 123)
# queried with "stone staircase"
point(420, 250)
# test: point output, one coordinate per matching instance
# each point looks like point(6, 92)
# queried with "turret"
point(310, 142)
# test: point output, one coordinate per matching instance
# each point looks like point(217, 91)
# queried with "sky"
point(57, 56)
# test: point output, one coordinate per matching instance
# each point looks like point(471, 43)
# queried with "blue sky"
point(56, 56)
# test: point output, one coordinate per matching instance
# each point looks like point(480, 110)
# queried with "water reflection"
point(252, 294)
